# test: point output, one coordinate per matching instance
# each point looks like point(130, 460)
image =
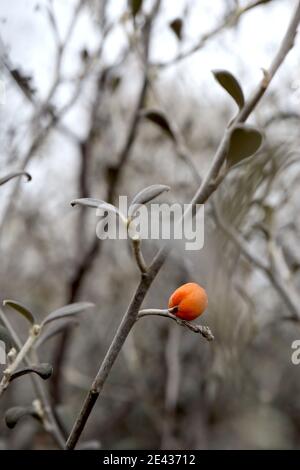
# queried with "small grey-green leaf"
point(6, 338)
point(88, 202)
point(67, 310)
point(147, 195)
point(13, 415)
point(176, 26)
point(43, 370)
point(159, 119)
point(135, 6)
point(20, 309)
point(14, 175)
point(231, 85)
point(244, 142)
point(55, 330)
point(95, 203)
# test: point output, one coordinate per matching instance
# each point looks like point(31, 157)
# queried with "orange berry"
point(190, 300)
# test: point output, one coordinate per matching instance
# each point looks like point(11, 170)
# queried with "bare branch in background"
point(230, 20)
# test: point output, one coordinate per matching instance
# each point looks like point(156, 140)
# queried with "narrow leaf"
point(98, 204)
point(14, 175)
point(68, 310)
point(88, 202)
point(147, 195)
point(43, 370)
point(20, 309)
point(231, 85)
point(135, 6)
point(244, 142)
point(55, 330)
point(159, 119)
point(176, 26)
point(13, 415)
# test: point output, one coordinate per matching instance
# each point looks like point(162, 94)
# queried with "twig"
point(62, 45)
point(202, 330)
point(24, 350)
point(285, 47)
point(136, 244)
point(230, 19)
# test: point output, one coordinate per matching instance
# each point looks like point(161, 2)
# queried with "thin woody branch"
point(136, 244)
point(202, 330)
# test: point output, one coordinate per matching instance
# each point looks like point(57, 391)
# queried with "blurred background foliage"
point(71, 93)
